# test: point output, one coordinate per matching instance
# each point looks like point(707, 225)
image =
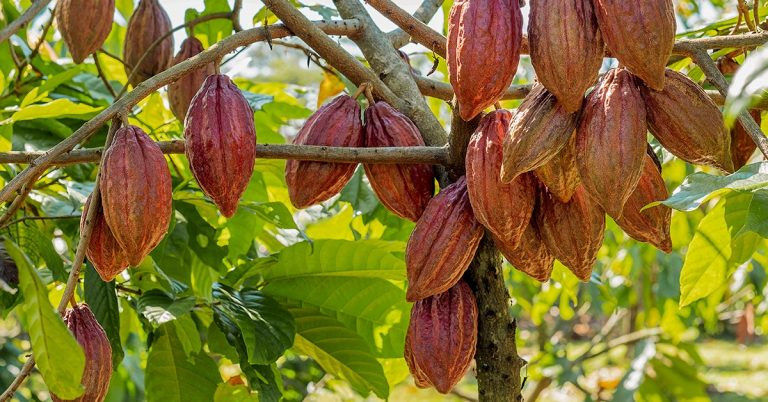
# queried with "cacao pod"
point(688, 123)
point(567, 49)
point(136, 192)
point(539, 130)
point(611, 141)
point(103, 250)
point(98, 353)
point(484, 41)
point(572, 231)
point(442, 337)
point(650, 225)
point(147, 24)
point(403, 189)
point(561, 175)
point(530, 256)
point(84, 25)
point(504, 209)
point(221, 147)
point(181, 91)
point(336, 124)
point(742, 145)
point(443, 243)
point(640, 34)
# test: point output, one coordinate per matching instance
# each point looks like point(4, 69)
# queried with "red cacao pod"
point(147, 24)
point(403, 189)
point(567, 49)
point(561, 175)
point(443, 243)
point(573, 231)
point(688, 123)
point(611, 141)
point(641, 34)
point(539, 130)
point(84, 25)
point(742, 145)
point(181, 91)
point(221, 147)
point(484, 40)
point(650, 225)
point(98, 353)
point(136, 192)
point(103, 250)
point(505, 209)
point(442, 337)
point(530, 256)
point(336, 124)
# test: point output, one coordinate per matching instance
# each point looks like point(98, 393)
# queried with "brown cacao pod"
point(84, 25)
point(484, 40)
point(147, 24)
point(531, 256)
point(336, 124)
point(504, 209)
point(443, 243)
point(573, 231)
point(539, 130)
point(611, 141)
point(103, 250)
point(561, 175)
point(98, 353)
point(688, 123)
point(567, 49)
point(650, 225)
point(136, 192)
point(181, 91)
point(640, 34)
point(742, 145)
point(442, 338)
point(403, 189)
point(221, 147)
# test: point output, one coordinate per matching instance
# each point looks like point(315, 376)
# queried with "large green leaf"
point(160, 307)
point(59, 357)
point(102, 299)
point(56, 109)
point(700, 187)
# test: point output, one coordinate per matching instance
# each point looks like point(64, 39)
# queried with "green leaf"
point(160, 307)
point(757, 217)
point(339, 351)
point(188, 335)
point(59, 108)
point(102, 300)
point(202, 236)
point(234, 393)
point(267, 328)
point(700, 187)
point(173, 377)
point(358, 193)
point(59, 357)
point(748, 86)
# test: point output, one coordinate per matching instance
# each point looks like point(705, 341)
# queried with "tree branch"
point(23, 19)
point(412, 25)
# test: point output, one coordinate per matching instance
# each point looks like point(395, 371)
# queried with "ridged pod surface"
point(504, 209)
point(540, 128)
point(530, 256)
point(403, 189)
point(103, 250)
point(148, 23)
point(641, 34)
point(221, 147)
point(611, 141)
point(567, 48)
point(650, 225)
point(181, 91)
point(443, 243)
point(336, 124)
point(484, 40)
point(561, 175)
point(98, 353)
point(742, 145)
point(688, 123)
point(573, 231)
point(136, 192)
point(84, 25)
point(442, 338)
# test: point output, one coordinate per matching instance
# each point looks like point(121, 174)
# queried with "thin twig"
point(42, 218)
point(126, 289)
point(416, 29)
point(111, 55)
point(16, 204)
point(103, 76)
point(36, 50)
point(23, 19)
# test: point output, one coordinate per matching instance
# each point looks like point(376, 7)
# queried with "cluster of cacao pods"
point(98, 353)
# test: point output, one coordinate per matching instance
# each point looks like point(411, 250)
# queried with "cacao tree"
point(273, 200)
